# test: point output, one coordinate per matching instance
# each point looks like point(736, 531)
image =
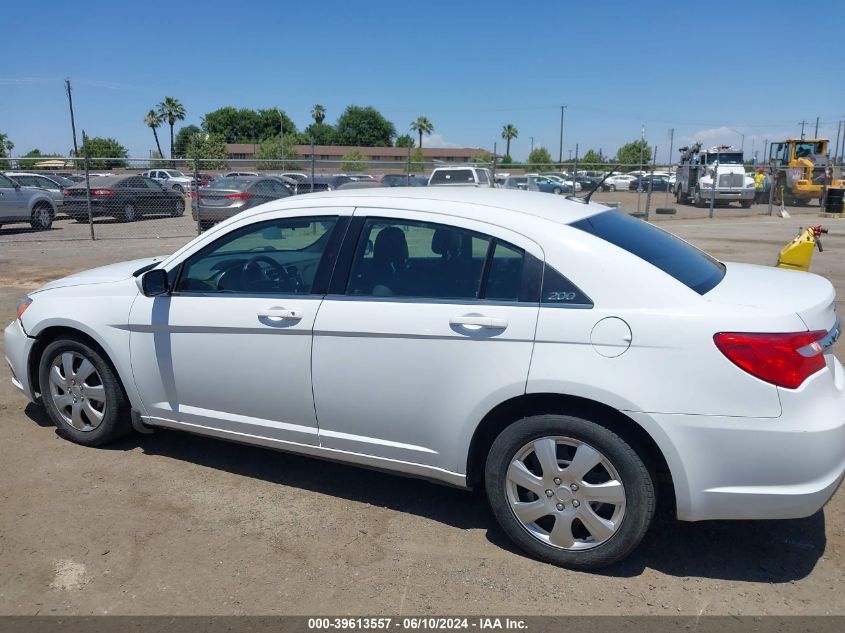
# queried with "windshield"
point(805, 149)
point(175, 174)
point(725, 158)
point(692, 267)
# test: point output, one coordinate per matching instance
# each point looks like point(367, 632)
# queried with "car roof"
point(470, 202)
point(105, 181)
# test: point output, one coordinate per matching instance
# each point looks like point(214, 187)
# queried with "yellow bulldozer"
point(803, 170)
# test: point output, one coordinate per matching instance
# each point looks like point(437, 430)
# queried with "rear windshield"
point(692, 267)
point(451, 176)
point(230, 183)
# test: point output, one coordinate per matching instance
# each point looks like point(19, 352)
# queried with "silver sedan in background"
point(228, 196)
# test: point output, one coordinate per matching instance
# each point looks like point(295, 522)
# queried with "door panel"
point(214, 361)
point(408, 378)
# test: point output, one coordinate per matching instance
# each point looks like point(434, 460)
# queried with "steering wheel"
point(282, 278)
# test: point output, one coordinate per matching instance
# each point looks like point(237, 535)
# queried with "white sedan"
point(562, 354)
point(619, 182)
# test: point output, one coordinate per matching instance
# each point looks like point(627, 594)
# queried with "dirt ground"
point(175, 524)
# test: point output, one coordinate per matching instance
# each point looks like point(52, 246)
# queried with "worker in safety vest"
point(760, 182)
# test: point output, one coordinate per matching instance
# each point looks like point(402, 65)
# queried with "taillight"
point(785, 360)
point(244, 195)
point(102, 192)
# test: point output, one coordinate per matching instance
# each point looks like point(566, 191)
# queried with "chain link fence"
point(111, 199)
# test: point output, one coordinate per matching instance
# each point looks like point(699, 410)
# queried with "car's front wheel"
point(178, 208)
point(569, 491)
point(611, 187)
point(81, 393)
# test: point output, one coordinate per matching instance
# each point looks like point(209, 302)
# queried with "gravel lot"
point(176, 524)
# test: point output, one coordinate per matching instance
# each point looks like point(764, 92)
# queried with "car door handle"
point(280, 313)
point(491, 323)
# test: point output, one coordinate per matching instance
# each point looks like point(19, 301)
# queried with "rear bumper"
point(757, 468)
point(79, 208)
point(17, 347)
point(215, 214)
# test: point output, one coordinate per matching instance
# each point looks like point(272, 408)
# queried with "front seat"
point(455, 267)
point(390, 261)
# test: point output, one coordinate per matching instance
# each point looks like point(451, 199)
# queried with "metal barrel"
point(834, 201)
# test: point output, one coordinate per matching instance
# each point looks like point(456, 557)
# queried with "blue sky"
point(711, 71)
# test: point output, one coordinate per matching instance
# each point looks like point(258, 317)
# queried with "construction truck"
point(699, 169)
point(802, 170)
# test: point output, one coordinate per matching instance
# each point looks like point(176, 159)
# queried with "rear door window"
point(692, 267)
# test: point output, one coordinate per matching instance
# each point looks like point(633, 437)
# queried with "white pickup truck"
point(170, 179)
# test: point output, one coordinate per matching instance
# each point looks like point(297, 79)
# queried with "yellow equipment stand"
point(798, 254)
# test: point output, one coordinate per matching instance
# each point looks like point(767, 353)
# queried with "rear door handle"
point(282, 314)
point(491, 323)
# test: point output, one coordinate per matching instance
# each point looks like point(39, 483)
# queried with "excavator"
point(803, 170)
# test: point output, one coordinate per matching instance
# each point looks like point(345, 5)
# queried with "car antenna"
point(586, 199)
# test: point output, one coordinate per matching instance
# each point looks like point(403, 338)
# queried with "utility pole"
point(282, 136)
point(532, 143)
point(640, 177)
point(72, 121)
point(816, 134)
point(671, 143)
point(560, 152)
point(836, 147)
point(802, 123)
point(570, 154)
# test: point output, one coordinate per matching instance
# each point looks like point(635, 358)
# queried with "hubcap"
point(565, 493)
point(77, 391)
point(129, 211)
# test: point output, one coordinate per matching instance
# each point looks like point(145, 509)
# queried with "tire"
point(617, 524)
point(698, 199)
point(129, 213)
point(179, 188)
point(42, 217)
point(66, 360)
point(611, 187)
point(178, 208)
point(556, 191)
point(746, 204)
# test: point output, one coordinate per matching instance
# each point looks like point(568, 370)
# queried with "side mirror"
point(154, 283)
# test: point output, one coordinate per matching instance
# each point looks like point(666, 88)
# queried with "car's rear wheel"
point(179, 188)
point(129, 213)
point(179, 208)
point(42, 217)
point(611, 187)
point(556, 191)
point(569, 491)
point(81, 393)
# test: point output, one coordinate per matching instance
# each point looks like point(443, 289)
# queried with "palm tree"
point(171, 110)
point(422, 126)
point(509, 132)
point(153, 120)
point(318, 113)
